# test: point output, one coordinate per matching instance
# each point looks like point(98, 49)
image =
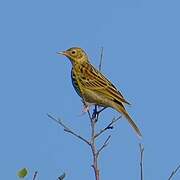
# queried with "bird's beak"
point(62, 53)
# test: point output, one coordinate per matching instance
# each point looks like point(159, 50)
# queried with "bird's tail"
point(132, 123)
point(122, 110)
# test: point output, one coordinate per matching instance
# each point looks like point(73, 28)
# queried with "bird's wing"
point(94, 80)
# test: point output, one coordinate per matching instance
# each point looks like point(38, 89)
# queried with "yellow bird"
point(93, 87)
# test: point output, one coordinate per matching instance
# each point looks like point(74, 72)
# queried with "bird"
point(93, 87)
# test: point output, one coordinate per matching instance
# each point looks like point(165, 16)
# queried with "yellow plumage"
point(93, 86)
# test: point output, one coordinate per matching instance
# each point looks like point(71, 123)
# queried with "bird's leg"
point(86, 107)
point(95, 114)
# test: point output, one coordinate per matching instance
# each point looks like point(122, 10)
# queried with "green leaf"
point(22, 173)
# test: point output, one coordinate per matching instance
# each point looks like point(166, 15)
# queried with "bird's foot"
point(86, 107)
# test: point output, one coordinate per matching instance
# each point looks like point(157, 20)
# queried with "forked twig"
point(109, 126)
point(67, 129)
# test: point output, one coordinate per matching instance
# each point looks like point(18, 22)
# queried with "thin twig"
point(101, 58)
point(35, 175)
point(109, 126)
point(89, 114)
point(98, 112)
point(104, 145)
point(62, 176)
point(141, 160)
point(174, 172)
point(67, 129)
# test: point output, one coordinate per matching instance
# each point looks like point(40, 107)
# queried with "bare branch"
point(93, 121)
point(141, 159)
point(101, 58)
point(174, 172)
point(67, 129)
point(109, 126)
point(104, 145)
point(35, 175)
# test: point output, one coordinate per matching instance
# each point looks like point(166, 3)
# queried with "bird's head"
point(75, 54)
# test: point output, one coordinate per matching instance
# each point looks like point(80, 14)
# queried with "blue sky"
point(141, 43)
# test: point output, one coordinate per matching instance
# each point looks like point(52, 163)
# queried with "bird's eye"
point(73, 52)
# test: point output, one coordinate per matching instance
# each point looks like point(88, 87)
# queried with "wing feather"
point(94, 80)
